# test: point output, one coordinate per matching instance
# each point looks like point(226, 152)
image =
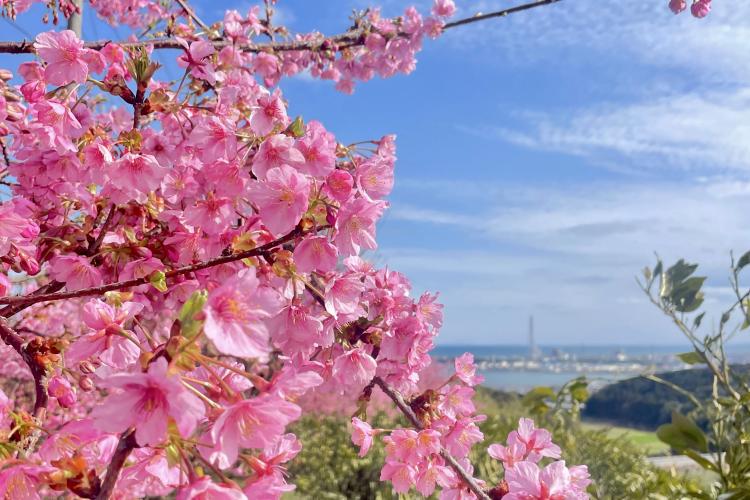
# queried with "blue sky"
point(544, 157)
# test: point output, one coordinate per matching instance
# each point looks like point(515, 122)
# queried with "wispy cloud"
point(571, 256)
point(708, 130)
point(639, 32)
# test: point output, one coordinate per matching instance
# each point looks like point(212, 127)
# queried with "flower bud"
point(4, 285)
point(29, 264)
point(86, 367)
point(10, 96)
point(701, 8)
point(677, 6)
point(5, 75)
point(15, 112)
point(59, 388)
point(86, 384)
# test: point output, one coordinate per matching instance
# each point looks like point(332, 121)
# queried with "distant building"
point(535, 354)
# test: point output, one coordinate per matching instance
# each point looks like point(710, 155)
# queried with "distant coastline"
point(522, 367)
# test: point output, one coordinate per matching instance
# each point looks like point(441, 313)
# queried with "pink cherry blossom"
point(252, 423)
point(269, 113)
point(339, 185)
point(195, 60)
point(212, 214)
point(147, 401)
point(110, 341)
point(204, 176)
point(60, 389)
point(355, 225)
point(509, 455)
point(318, 147)
point(315, 254)
point(342, 296)
point(466, 370)
point(281, 198)
point(526, 481)
point(75, 271)
point(538, 442)
point(443, 8)
point(462, 436)
point(134, 176)
point(67, 60)
point(362, 435)
point(22, 481)
point(296, 330)
point(235, 315)
point(400, 474)
point(354, 367)
point(215, 138)
point(276, 151)
point(205, 489)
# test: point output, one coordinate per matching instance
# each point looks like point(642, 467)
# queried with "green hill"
point(642, 403)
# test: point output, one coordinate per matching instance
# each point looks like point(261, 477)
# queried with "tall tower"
point(534, 352)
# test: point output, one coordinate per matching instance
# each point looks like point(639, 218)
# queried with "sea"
point(556, 373)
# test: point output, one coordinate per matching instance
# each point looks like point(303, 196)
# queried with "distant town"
point(601, 366)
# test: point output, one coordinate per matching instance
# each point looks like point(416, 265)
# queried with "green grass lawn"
point(644, 440)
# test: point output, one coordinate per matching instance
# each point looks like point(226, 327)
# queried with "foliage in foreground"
point(723, 448)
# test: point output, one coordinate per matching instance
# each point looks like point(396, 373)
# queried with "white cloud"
point(616, 31)
point(570, 256)
point(709, 130)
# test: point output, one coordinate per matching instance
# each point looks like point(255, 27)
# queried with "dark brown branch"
point(414, 420)
point(341, 41)
point(41, 397)
point(102, 232)
point(51, 287)
point(126, 444)
point(99, 290)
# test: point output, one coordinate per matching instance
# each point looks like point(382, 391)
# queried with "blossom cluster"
point(699, 8)
point(415, 458)
point(182, 263)
point(525, 479)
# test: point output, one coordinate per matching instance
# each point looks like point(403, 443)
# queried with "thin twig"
point(499, 13)
point(190, 12)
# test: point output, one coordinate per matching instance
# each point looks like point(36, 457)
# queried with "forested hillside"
point(640, 402)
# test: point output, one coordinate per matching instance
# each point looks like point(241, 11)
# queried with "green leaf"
point(725, 317)
point(697, 320)
point(536, 397)
point(744, 260)
point(188, 317)
point(691, 358)
point(297, 128)
point(580, 394)
point(701, 460)
point(687, 296)
point(681, 271)
point(682, 434)
point(158, 280)
point(658, 268)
